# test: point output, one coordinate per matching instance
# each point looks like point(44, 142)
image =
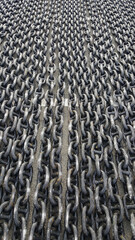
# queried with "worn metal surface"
point(67, 119)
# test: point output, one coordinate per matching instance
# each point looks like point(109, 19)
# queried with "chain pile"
point(74, 56)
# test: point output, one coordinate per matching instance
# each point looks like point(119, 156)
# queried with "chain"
point(55, 187)
point(77, 55)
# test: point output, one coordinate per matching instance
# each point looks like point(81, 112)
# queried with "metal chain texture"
point(67, 120)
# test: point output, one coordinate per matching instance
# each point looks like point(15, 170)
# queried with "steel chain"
point(79, 56)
